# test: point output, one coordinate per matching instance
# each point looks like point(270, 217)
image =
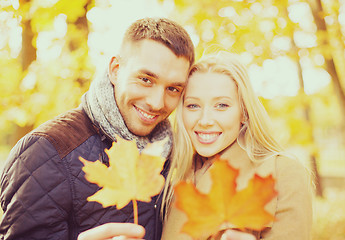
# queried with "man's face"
point(147, 84)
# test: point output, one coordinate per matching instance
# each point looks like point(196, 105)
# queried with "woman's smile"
point(207, 137)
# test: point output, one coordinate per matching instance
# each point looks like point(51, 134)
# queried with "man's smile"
point(145, 116)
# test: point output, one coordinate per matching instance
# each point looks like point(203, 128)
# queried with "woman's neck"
point(201, 164)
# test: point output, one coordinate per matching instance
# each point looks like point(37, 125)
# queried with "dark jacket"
point(44, 191)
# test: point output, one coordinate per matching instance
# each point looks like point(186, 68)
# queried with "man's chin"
point(143, 130)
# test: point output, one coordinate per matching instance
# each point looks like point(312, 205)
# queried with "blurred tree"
point(307, 109)
point(82, 27)
point(329, 41)
point(28, 55)
point(56, 69)
point(28, 50)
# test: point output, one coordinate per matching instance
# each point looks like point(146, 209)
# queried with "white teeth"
point(207, 136)
point(149, 116)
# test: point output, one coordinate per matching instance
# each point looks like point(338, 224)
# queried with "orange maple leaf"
point(131, 176)
point(223, 205)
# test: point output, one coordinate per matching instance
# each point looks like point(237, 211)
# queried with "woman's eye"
point(222, 105)
point(192, 106)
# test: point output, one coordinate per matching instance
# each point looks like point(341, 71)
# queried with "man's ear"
point(113, 69)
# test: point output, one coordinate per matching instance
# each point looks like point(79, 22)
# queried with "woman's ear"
point(244, 119)
point(113, 69)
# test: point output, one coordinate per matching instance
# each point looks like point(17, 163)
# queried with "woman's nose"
point(206, 118)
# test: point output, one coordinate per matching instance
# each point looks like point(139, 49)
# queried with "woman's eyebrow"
point(221, 97)
point(191, 97)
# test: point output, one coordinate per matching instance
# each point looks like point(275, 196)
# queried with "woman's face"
point(211, 112)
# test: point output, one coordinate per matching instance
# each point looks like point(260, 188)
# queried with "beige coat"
point(292, 207)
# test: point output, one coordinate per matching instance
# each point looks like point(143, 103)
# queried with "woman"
point(219, 114)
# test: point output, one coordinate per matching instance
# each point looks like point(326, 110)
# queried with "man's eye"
point(145, 80)
point(173, 89)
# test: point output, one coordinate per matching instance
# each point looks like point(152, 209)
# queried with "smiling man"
point(43, 188)
point(147, 85)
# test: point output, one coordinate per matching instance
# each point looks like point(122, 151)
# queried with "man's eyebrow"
point(179, 84)
point(153, 75)
point(148, 72)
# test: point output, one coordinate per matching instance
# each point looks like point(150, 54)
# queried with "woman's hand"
point(236, 235)
point(108, 231)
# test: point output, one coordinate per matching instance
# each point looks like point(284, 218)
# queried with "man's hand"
point(108, 231)
point(236, 235)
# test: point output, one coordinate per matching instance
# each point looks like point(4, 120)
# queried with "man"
point(43, 188)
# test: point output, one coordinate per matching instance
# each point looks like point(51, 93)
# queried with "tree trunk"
point(313, 160)
point(306, 107)
point(83, 26)
point(28, 55)
point(316, 7)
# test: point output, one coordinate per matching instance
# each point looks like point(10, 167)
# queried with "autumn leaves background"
point(294, 49)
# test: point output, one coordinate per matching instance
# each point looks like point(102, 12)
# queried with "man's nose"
point(156, 100)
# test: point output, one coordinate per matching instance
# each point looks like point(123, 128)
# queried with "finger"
point(119, 238)
point(110, 230)
point(124, 238)
point(237, 235)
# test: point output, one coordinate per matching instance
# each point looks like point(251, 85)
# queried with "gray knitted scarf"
point(100, 105)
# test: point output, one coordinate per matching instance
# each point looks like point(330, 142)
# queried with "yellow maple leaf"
point(131, 176)
point(224, 205)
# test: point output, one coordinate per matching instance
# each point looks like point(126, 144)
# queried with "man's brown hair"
point(162, 30)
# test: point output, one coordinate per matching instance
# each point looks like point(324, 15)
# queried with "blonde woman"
point(219, 114)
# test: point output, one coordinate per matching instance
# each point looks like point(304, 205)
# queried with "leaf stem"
point(135, 211)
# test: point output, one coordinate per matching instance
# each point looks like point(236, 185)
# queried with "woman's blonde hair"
point(255, 136)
